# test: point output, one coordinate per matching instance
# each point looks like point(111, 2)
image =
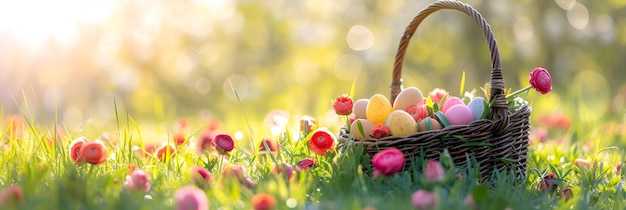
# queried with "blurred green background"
point(172, 59)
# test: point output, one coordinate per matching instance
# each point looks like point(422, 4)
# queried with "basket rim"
point(499, 105)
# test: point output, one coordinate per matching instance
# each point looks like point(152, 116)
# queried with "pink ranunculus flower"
point(379, 131)
point(201, 177)
point(238, 173)
point(388, 162)
point(343, 105)
point(566, 193)
point(582, 163)
point(11, 196)
point(548, 182)
point(469, 201)
point(223, 143)
point(137, 181)
point(306, 124)
point(306, 163)
point(437, 94)
point(191, 198)
point(417, 111)
point(422, 199)
point(434, 171)
point(284, 169)
point(541, 80)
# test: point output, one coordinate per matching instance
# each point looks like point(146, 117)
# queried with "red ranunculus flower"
point(343, 105)
point(306, 163)
point(75, 148)
point(93, 152)
point(223, 143)
point(272, 144)
point(179, 138)
point(388, 162)
point(164, 152)
point(548, 182)
point(379, 131)
point(263, 202)
point(322, 141)
point(541, 80)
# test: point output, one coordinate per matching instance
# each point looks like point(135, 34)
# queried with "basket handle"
point(499, 107)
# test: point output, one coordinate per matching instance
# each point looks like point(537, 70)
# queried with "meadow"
point(234, 104)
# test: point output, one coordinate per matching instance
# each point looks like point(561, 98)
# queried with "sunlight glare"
point(36, 21)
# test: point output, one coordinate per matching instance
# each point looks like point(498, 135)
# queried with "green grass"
point(49, 179)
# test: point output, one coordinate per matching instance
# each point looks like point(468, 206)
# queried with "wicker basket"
point(497, 143)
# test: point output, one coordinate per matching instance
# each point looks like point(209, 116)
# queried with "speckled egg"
point(378, 109)
point(428, 124)
point(360, 107)
point(477, 105)
point(450, 102)
point(401, 123)
point(367, 128)
point(408, 97)
point(459, 115)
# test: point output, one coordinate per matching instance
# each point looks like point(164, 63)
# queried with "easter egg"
point(378, 109)
point(367, 128)
point(401, 123)
point(407, 97)
point(459, 115)
point(360, 107)
point(428, 124)
point(477, 105)
point(450, 103)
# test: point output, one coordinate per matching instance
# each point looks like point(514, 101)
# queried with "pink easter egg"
point(459, 115)
point(450, 103)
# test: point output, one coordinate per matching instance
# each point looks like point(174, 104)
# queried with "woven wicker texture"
point(499, 142)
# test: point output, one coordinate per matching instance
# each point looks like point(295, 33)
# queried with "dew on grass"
point(292, 203)
point(135, 148)
point(147, 197)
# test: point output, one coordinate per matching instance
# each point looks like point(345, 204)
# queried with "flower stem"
point(519, 91)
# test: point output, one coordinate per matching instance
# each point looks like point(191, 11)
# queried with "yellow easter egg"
point(401, 123)
point(408, 97)
point(378, 109)
point(367, 129)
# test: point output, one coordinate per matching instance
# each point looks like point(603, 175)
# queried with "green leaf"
point(607, 148)
point(480, 194)
point(360, 126)
point(486, 109)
